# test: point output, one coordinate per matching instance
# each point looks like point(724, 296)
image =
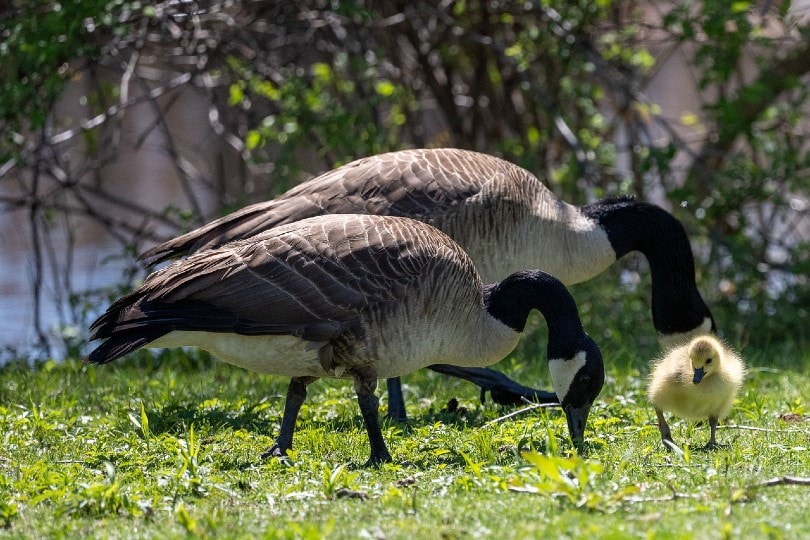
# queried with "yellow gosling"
point(695, 381)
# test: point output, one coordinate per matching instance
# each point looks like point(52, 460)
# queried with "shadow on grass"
point(174, 419)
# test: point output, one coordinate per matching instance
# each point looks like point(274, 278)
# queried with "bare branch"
point(518, 412)
point(782, 481)
point(113, 110)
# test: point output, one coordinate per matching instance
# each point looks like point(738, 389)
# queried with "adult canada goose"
point(504, 218)
point(356, 297)
point(697, 380)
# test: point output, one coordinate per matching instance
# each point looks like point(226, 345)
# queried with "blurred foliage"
point(556, 86)
point(335, 107)
point(39, 40)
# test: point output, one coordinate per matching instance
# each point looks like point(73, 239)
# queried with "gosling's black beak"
point(699, 373)
point(577, 418)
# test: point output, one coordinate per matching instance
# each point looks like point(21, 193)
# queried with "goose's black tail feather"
point(132, 322)
point(122, 343)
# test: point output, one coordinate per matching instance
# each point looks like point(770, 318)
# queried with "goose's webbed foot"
point(274, 451)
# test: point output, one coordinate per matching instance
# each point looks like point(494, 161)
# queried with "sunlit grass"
point(169, 448)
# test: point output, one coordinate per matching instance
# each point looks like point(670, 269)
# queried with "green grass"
point(169, 449)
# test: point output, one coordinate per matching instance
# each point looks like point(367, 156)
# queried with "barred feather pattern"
point(500, 213)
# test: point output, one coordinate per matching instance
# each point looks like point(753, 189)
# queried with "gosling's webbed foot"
point(666, 433)
point(713, 445)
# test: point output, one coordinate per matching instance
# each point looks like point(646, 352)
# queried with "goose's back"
point(501, 214)
point(420, 184)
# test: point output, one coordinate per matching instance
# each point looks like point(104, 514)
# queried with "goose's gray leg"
point(365, 384)
point(296, 394)
point(663, 427)
point(396, 401)
point(503, 390)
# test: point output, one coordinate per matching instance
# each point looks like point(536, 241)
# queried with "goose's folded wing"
point(309, 280)
point(422, 184)
point(409, 183)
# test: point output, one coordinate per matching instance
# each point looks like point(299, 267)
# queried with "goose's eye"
point(709, 361)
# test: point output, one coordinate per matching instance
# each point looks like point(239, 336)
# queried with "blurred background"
point(124, 123)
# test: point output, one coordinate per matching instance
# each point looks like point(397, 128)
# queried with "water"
point(94, 268)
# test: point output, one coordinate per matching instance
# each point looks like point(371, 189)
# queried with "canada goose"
point(356, 297)
point(504, 218)
point(695, 381)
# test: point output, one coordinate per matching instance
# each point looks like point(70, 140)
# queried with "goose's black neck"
point(631, 225)
point(511, 301)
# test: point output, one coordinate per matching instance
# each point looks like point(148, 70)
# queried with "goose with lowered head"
point(504, 218)
point(355, 297)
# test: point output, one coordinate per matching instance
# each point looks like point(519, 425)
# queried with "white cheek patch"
point(670, 341)
point(706, 327)
point(563, 372)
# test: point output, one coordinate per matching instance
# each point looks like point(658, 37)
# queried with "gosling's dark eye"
point(709, 361)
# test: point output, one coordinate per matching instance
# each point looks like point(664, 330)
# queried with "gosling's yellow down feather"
point(696, 381)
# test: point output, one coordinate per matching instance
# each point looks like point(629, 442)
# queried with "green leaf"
point(185, 519)
point(547, 466)
point(533, 135)
point(236, 94)
point(740, 6)
point(322, 71)
point(385, 88)
point(144, 422)
point(252, 139)
point(689, 119)
point(8, 510)
point(266, 89)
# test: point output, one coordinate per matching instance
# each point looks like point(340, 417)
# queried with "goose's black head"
point(575, 363)
point(578, 374)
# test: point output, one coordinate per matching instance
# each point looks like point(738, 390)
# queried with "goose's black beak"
point(577, 418)
point(699, 373)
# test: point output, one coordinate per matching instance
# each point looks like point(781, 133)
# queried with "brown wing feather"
point(313, 278)
point(422, 184)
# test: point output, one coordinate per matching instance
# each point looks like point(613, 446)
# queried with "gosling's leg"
point(396, 401)
point(296, 394)
point(365, 384)
point(712, 444)
point(663, 427)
